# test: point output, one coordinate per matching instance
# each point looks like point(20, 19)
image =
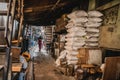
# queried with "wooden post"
point(21, 21)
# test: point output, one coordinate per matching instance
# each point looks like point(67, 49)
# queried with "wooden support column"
point(8, 36)
point(21, 21)
point(92, 4)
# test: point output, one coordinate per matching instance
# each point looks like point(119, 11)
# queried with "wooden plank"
point(87, 66)
point(15, 54)
point(112, 68)
point(109, 5)
point(3, 12)
point(83, 55)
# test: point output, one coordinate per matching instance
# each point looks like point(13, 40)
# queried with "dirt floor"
point(45, 69)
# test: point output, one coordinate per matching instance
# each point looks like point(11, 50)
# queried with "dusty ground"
point(45, 69)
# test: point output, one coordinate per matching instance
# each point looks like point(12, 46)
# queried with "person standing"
point(40, 43)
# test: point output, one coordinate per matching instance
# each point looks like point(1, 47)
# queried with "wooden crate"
point(83, 55)
point(90, 56)
point(15, 54)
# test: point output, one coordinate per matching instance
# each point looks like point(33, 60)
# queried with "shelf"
point(3, 12)
point(2, 28)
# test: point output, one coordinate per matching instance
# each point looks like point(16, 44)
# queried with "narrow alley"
point(45, 69)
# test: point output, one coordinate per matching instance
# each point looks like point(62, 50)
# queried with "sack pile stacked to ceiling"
point(83, 32)
point(75, 38)
point(92, 28)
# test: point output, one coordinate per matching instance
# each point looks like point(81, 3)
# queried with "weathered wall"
point(110, 30)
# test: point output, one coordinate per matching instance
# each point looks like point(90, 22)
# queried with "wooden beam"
point(21, 21)
point(110, 4)
point(39, 9)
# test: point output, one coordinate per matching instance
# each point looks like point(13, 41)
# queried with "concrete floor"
point(45, 69)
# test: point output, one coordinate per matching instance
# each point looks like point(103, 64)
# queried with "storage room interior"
point(59, 39)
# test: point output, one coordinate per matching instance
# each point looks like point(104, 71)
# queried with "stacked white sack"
point(63, 55)
point(92, 28)
point(75, 38)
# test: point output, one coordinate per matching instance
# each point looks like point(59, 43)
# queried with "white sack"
point(75, 44)
point(72, 62)
point(79, 20)
point(81, 13)
point(94, 19)
point(73, 53)
point(72, 58)
point(92, 30)
point(76, 14)
point(72, 48)
point(69, 25)
point(94, 14)
point(76, 34)
point(57, 62)
point(63, 54)
point(74, 29)
point(95, 57)
point(72, 25)
point(90, 35)
point(76, 39)
point(92, 39)
point(92, 24)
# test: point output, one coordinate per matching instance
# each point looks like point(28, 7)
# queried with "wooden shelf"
point(2, 28)
point(3, 12)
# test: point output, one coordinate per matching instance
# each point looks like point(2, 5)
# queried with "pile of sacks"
point(92, 28)
point(83, 31)
point(75, 38)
